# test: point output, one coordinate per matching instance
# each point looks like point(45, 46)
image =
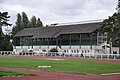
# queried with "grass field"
point(73, 66)
point(10, 73)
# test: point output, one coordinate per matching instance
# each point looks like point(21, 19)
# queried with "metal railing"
point(84, 55)
point(7, 53)
point(61, 54)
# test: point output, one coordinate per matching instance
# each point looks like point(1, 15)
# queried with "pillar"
point(29, 43)
point(48, 42)
point(21, 42)
point(80, 40)
point(32, 43)
point(39, 44)
point(70, 42)
point(91, 41)
point(59, 42)
point(56, 42)
point(14, 43)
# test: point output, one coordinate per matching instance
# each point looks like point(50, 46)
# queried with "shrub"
point(53, 50)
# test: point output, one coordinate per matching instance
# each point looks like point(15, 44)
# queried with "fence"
point(100, 56)
point(7, 53)
point(60, 54)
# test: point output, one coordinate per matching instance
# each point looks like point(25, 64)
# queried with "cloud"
point(55, 11)
point(66, 7)
point(1, 1)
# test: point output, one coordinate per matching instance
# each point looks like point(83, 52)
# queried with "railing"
point(84, 55)
point(7, 53)
point(61, 54)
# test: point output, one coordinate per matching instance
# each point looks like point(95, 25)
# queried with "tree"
point(33, 21)
point(21, 23)
point(112, 26)
point(25, 21)
point(18, 25)
point(39, 23)
point(17, 28)
point(4, 40)
point(118, 7)
point(3, 21)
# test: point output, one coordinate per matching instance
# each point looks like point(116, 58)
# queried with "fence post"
point(114, 56)
point(84, 55)
point(95, 55)
point(101, 56)
point(107, 56)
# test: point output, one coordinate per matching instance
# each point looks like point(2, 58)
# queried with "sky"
point(60, 11)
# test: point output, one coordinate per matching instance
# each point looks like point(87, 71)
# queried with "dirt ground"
point(50, 75)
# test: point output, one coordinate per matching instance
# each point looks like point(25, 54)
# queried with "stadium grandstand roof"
point(55, 31)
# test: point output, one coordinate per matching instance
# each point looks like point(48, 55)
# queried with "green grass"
point(10, 73)
point(73, 66)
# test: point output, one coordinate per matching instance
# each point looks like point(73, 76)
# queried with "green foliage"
point(4, 39)
point(4, 19)
point(39, 23)
point(118, 6)
point(25, 21)
point(33, 22)
point(5, 44)
point(18, 26)
point(53, 50)
point(111, 26)
point(74, 66)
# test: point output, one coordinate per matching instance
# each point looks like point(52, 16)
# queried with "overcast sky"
point(59, 11)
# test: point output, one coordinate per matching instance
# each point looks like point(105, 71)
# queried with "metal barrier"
point(7, 53)
point(100, 56)
point(61, 54)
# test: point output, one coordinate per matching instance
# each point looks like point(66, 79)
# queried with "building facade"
point(68, 39)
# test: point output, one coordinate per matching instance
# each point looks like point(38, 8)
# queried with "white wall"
point(115, 49)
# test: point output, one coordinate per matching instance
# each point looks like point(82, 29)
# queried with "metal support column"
point(60, 42)
point(91, 41)
point(48, 42)
point(36, 42)
point(32, 43)
point(21, 42)
point(39, 44)
point(28, 42)
point(70, 42)
point(80, 40)
point(56, 42)
point(14, 43)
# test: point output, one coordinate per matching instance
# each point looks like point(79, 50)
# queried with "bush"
point(53, 50)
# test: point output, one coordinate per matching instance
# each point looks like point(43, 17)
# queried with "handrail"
point(61, 54)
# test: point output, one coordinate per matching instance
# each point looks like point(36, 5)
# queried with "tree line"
point(23, 22)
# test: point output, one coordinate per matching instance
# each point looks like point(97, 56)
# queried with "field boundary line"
point(109, 74)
